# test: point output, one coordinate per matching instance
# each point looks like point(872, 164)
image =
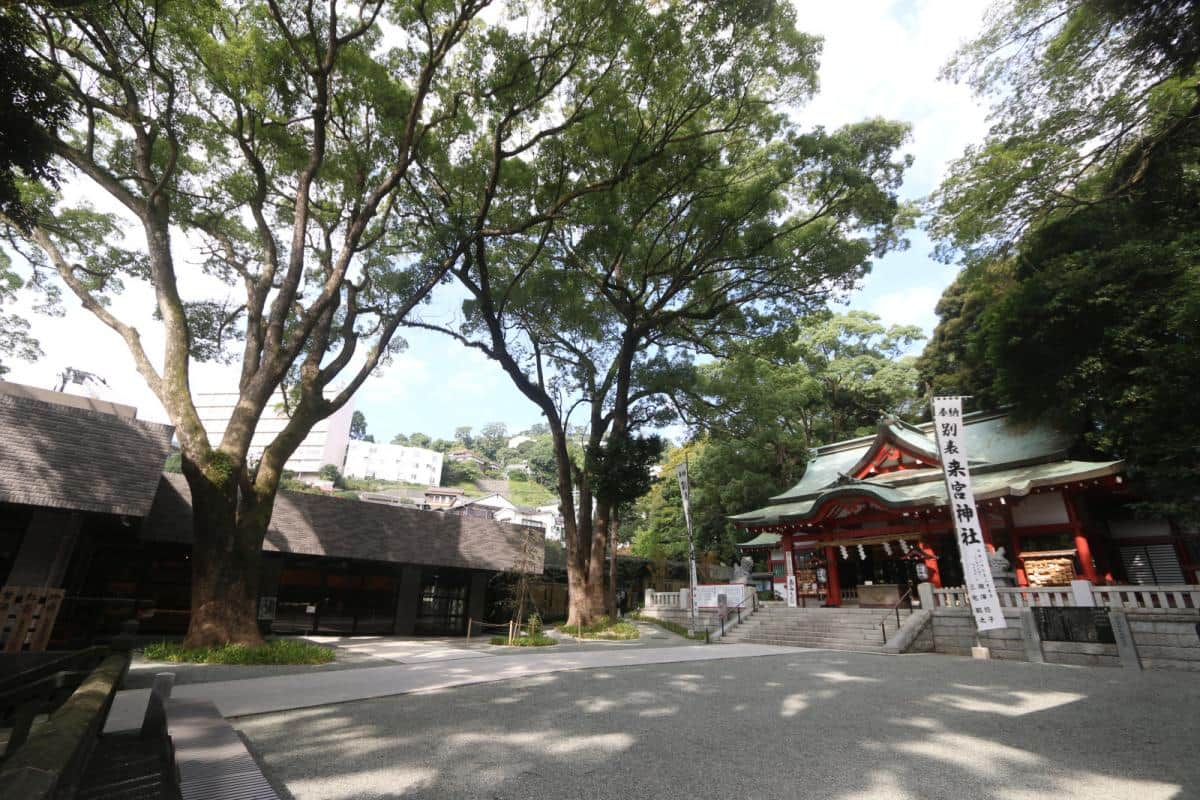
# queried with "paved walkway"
point(431, 667)
point(819, 725)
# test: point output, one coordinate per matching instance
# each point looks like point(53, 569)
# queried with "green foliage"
point(1077, 86)
point(32, 108)
point(528, 493)
point(174, 463)
point(276, 651)
point(620, 468)
point(952, 363)
point(358, 427)
point(1077, 219)
point(603, 629)
point(533, 625)
point(759, 412)
point(457, 472)
point(330, 472)
point(525, 641)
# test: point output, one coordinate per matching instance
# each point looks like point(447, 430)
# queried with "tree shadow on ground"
point(813, 725)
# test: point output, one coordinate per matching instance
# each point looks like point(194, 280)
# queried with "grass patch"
point(276, 651)
point(540, 640)
point(602, 628)
point(528, 493)
point(673, 627)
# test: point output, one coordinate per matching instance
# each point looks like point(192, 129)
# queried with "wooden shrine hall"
point(869, 518)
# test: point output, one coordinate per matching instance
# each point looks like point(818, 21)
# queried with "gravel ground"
point(815, 724)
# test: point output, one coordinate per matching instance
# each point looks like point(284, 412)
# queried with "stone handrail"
point(1159, 598)
point(1082, 593)
point(668, 599)
point(50, 762)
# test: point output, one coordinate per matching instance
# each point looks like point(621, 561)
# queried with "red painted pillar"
point(931, 564)
point(985, 529)
point(833, 586)
point(1083, 548)
point(789, 566)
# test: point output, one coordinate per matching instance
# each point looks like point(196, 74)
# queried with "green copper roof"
point(903, 490)
point(763, 540)
point(993, 441)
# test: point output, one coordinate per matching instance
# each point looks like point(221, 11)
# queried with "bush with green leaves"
point(276, 651)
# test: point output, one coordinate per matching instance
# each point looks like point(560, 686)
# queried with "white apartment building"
point(393, 462)
point(325, 444)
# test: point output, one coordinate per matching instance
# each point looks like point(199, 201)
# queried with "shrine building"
point(869, 519)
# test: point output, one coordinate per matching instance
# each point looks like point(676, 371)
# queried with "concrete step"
point(816, 644)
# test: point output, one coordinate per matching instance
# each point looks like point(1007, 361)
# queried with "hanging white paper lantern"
point(903, 546)
point(887, 548)
point(845, 555)
point(862, 553)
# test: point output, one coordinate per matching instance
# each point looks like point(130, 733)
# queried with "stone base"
point(981, 653)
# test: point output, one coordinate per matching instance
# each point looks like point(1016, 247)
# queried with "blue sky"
point(881, 58)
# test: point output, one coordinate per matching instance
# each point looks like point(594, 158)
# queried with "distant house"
point(443, 497)
point(474, 458)
point(518, 440)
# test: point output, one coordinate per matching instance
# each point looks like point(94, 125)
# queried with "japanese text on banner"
point(977, 573)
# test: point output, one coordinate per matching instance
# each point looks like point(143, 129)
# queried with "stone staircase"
point(830, 628)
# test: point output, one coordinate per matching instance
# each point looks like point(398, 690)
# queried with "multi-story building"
point(393, 462)
point(325, 444)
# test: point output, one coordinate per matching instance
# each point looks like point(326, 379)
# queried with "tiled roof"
point(930, 490)
point(995, 441)
point(80, 459)
point(312, 524)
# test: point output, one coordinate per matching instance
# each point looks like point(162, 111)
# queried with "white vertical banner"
point(977, 573)
point(790, 571)
point(685, 491)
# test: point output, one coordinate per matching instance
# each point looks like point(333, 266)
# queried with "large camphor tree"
point(306, 151)
point(747, 223)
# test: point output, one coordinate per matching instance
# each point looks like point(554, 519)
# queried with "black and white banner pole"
point(977, 573)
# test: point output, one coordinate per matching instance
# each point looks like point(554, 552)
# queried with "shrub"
point(541, 640)
point(533, 625)
point(602, 628)
point(276, 651)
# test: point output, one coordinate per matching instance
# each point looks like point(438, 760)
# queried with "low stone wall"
point(1167, 641)
point(954, 634)
point(1161, 640)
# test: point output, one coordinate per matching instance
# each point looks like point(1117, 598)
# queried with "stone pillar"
point(1126, 646)
point(1030, 637)
point(685, 601)
point(649, 598)
point(1081, 594)
point(46, 548)
point(925, 595)
point(408, 599)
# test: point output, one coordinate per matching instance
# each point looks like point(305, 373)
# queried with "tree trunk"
point(226, 557)
point(612, 567)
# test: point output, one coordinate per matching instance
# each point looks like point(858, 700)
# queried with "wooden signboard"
point(27, 616)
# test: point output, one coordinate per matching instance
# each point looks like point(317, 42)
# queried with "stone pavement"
point(806, 724)
point(429, 666)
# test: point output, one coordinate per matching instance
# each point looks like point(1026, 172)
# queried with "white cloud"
point(912, 306)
